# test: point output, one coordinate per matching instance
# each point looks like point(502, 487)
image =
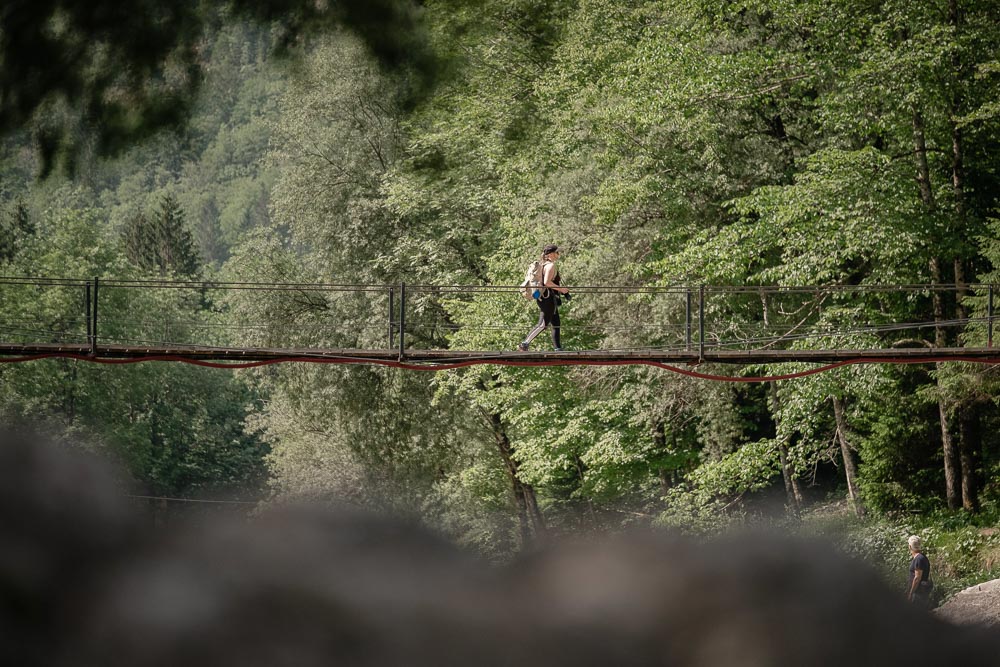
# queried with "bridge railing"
point(247, 315)
point(708, 317)
point(499, 317)
point(175, 314)
point(46, 310)
point(164, 314)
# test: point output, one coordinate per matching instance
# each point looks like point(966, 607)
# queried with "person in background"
point(549, 300)
point(919, 589)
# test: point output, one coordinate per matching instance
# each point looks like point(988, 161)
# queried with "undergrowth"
point(963, 548)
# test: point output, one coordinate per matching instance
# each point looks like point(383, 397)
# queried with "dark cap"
point(550, 248)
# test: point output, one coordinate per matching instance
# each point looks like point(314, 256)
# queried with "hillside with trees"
point(659, 143)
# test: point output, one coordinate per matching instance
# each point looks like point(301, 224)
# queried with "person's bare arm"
point(918, 575)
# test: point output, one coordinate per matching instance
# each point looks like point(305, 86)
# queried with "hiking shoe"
point(522, 347)
point(557, 349)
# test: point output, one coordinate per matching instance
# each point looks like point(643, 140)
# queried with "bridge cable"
point(435, 367)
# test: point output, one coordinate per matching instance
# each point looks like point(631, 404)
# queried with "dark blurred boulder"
point(305, 586)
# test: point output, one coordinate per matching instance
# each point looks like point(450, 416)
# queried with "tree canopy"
point(659, 143)
point(105, 75)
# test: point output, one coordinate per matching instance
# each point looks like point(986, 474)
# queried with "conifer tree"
point(15, 228)
point(162, 242)
point(174, 243)
point(137, 241)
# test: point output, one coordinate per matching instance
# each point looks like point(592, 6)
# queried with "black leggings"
point(549, 315)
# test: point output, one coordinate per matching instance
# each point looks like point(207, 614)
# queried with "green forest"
point(658, 143)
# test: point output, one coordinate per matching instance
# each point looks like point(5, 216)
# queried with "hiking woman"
point(918, 591)
point(548, 302)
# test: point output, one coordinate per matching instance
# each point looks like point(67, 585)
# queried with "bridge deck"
point(677, 356)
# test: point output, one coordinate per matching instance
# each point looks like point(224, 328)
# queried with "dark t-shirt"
point(555, 278)
point(921, 563)
point(550, 294)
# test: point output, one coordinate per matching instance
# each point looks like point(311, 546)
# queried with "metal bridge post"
point(90, 333)
point(392, 307)
point(93, 322)
point(701, 323)
point(989, 318)
point(402, 317)
point(687, 320)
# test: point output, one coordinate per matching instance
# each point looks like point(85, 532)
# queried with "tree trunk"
point(793, 492)
point(531, 505)
point(796, 485)
point(951, 471)
point(659, 445)
point(927, 197)
point(69, 399)
point(958, 188)
point(920, 155)
point(850, 469)
point(968, 443)
point(968, 418)
point(967, 449)
point(530, 518)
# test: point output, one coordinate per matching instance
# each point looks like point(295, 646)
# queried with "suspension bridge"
point(434, 327)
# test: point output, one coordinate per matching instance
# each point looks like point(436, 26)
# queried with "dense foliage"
point(660, 143)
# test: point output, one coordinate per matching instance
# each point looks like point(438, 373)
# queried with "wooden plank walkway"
point(674, 356)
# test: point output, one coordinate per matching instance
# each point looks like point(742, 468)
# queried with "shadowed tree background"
point(443, 143)
point(101, 76)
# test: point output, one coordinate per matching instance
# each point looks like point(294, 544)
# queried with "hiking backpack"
point(532, 288)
